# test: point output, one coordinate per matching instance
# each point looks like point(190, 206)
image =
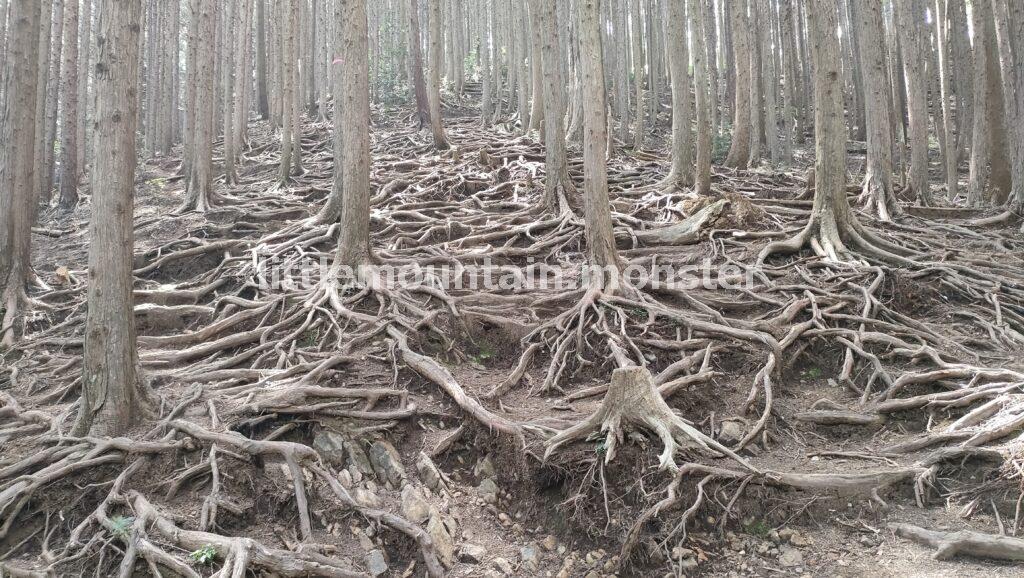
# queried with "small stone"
point(791, 557)
point(484, 468)
point(414, 505)
point(732, 430)
point(472, 553)
point(345, 478)
point(364, 541)
point(504, 519)
point(549, 543)
point(531, 557)
point(786, 534)
point(365, 497)
point(358, 460)
point(489, 491)
point(443, 542)
point(688, 564)
point(431, 476)
point(680, 553)
point(503, 566)
point(798, 539)
point(375, 563)
point(331, 447)
point(387, 463)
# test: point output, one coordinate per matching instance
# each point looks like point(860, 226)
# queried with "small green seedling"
point(121, 525)
point(204, 556)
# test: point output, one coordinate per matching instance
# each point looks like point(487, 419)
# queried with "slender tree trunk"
point(416, 56)
point(484, 54)
point(739, 150)
point(113, 395)
point(949, 142)
point(537, 82)
point(770, 81)
point(596, 209)
point(877, 192)
point(231, 16)
point(638, 74)
point(17, 164)
point(84, 57)
point(698, 19)
point(288, 89)
point(262, 97)
point(354, 122)
point(789, 81)
point(559, 191)
point(434, 90)
point(69, 107)
point(42, 72)
point(681, 173)
point(199, 194)
point(912, 19)
point(52, 88)
point(1010, 29)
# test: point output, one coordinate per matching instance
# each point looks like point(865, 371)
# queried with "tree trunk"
point(912, 20)
point(877, 192)
point(681, 173)
point(559, 191)
point(69, 110)
point(942, 23)
point(434, 90)
point(638, 74)
point(1010, 28)
point(199, 194)
point(484, 56)
point(262, 97)
point(84, 56)
point(17, 164)
point(113, 395)
point(227, 56)
point(52, 89)
point(698, 18)
point(289, 98)
point(739, 150)
point(353, 119)
point(596, 210)
point(536, 82)
point(416, 63)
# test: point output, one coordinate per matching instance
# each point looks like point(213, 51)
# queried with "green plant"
point(205, 555)
point(813, 373)
point(758, 528)
point(483, 354)
point(121, 525)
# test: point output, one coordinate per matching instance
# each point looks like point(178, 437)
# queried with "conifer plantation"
point(564, 288)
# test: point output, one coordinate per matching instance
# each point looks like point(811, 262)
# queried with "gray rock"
point(414, 505)
point(791, 557)
point(443, 542)
point(366, 498)
point(472, 553)
point(358, 461)
point(431, 476)
point(732, 430)
point(531, 557)
point(387, 463)
point(331, 447)
point(488, 491)
point(503, 566)
point(375, 563)
point(484, 468)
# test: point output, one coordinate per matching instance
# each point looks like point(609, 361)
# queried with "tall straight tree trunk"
point(1010, 29)
point(199, 191)
point(354, 122)
point(1000, 180)
point(912, 19)
point(559, 192)
point(698, 19)
point(84, 56)
point(416, 63)
point(681, 173)
point(113, 394)
point(286, 57)
point(756, 87)
point(739, 150)
point(52, 89)
point(942, 23)
point(69, 108)
point(638, 74)
point(596, 209)
point(484, 53)
point(42, 72)
point(770, 81)
point(434, 90)
point(790, 75)
point(262, 97)
point(877, 192)
point(17, 164)
point(537, 82)
point(227, 80)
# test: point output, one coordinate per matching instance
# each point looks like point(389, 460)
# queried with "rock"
point(472, 553)
point(431, 476)
point(375, 563)
point(331, 447)
point(366, 498)
point(786, 533)
point(345, 478)
point(358, 461)
point(688, 564)
point(680, 553)
point(732, 430)
point(549, 543)
point(443, 542)
point(387, 463)
point(504, 519)
point(531, 557)
point(489, 491)
point(503, 566)
point(791, 557)
point(364, 541)
point(798, 539)
point(484, 468)
point(414, 506)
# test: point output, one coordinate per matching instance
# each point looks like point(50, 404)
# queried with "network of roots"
point(251, 351)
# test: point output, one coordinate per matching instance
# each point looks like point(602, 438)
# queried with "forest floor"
point(429, 439)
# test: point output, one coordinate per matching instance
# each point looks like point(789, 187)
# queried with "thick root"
point(976, 544)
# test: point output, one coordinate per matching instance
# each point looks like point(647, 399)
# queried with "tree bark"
point(262, 96)
point(698, 18)
point(434, 90)
point(69, 108)
point(113, 394)
point(199, 194)
point(912, 18)
point(597, 214)
point(681, 173)
point(17, 164)
point(739, 150)
point(1010, 28)
point(559, 191)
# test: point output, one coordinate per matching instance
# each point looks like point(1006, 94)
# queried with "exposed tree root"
point(964, 542)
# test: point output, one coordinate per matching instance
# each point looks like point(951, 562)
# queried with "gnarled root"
point(949, 544)
point(633, 399)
